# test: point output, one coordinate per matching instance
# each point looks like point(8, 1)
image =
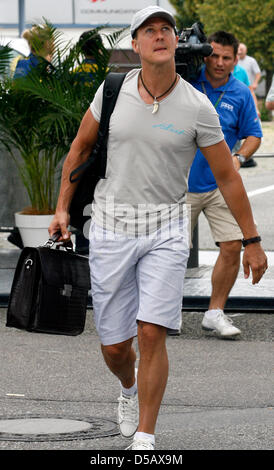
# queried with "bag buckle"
point(28, 263)
point(67, 246)
point(52, 240)
point(49, 243)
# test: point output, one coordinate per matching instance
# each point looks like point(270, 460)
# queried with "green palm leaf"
point(5, 57)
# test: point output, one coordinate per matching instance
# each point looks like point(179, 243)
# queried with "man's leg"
point(152, 374)
point(120, 359)
point(160, 275)
point(225, 273)
point(223, 278)
point(226, 231)
point(152, 370)
point(115, 305)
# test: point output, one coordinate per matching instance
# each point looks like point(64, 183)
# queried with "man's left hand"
point(255, 259)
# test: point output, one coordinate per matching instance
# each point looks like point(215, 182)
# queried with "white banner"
point(112, 12)
point(92, 12)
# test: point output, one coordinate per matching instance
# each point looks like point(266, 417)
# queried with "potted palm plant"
point(39, 117)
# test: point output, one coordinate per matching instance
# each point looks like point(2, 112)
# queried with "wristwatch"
point(240, 157)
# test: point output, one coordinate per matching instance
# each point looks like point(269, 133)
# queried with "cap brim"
point(157, 14)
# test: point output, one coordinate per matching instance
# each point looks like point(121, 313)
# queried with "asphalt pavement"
point(219, 394)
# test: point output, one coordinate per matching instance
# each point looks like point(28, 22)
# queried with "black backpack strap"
point(112, 86)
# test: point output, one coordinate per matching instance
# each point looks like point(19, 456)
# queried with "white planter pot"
point(33, 228)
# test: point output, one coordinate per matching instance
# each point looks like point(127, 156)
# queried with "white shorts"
point(137, 279)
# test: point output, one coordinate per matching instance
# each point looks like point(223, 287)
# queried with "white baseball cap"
point(150, 12)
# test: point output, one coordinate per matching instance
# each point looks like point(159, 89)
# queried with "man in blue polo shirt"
point(239, 120)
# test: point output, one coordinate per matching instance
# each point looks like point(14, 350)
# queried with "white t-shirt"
point(251, 67)
point(149, 156)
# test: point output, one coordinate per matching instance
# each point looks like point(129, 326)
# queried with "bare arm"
point(255, 100)
point(231, 186)
point(248, 148)
point(79, 152)
point(256, 81)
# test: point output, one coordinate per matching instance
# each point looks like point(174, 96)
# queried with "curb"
point(200, 304)
point(263, 155)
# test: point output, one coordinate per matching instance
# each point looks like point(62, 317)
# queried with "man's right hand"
point(60, 223)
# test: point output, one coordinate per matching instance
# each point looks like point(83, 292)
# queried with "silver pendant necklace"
point(155, 102)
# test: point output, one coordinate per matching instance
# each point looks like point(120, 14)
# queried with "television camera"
point(191, 50)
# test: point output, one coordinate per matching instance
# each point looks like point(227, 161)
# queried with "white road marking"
point(260, 190)
point(15, 395)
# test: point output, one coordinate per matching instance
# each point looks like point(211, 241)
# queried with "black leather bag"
point(49, 292)
point(90, 172)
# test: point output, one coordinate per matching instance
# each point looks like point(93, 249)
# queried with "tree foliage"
point(252, 22)
point(186, 12)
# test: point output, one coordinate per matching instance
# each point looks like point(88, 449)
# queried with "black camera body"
point(191, 50)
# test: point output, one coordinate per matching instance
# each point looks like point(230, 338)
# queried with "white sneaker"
point(140, 444)
point(128, 414)
point(221, 324)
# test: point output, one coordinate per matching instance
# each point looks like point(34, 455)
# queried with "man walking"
point(250, 65)
point(138, 236)
point(235, 106)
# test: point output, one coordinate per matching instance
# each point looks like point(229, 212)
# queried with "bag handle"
point(68, 245)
